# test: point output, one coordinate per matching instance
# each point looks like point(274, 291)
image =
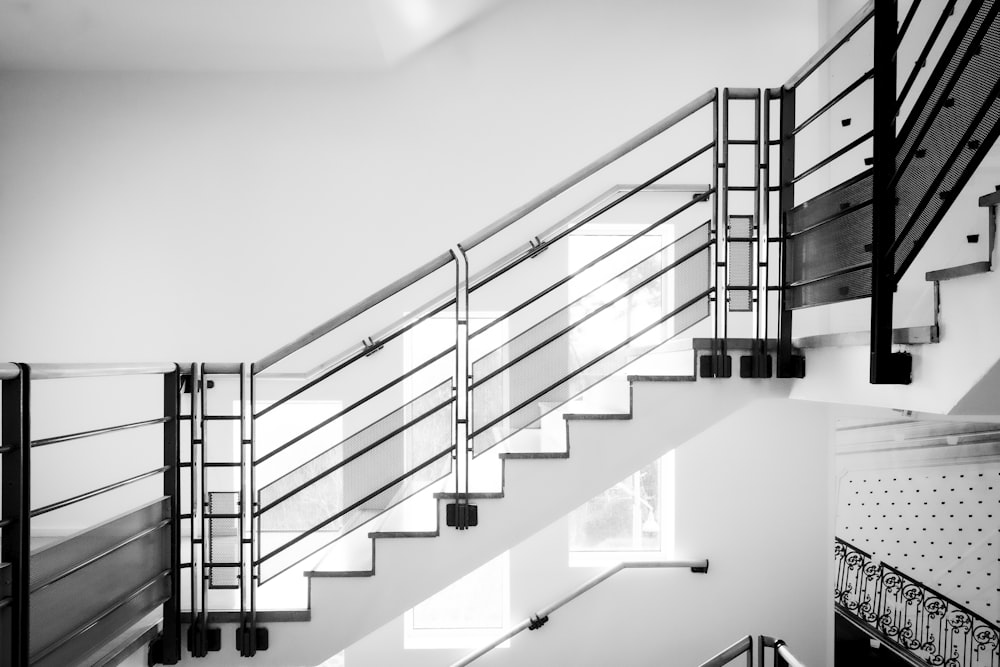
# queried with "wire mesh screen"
point(740, 263)
point(589, 339)
point(841, 243)
point(224, 539)
point(946, 137)
point(850, 194)
point(842, 287)
point(368, 472)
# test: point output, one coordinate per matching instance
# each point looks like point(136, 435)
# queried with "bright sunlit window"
point(632, 520)
point(467, 614)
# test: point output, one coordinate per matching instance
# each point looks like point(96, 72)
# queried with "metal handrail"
point(724, 657)
point(627, 147)
point(66, 371)
point(486, 233)
point(8, 371)
point(97, 492)
point(842, 36)
point(780, 648)
point(98, 431)
point(531, 623)
point(350, 313)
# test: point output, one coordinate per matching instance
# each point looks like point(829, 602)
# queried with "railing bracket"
point(537, 622)
point(701, 569)
point(371, 346)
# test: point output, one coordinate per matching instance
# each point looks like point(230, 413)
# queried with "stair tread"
point(340, 573)
point(961, 271)
point(379, 534)
point(661, 378)
point(534, 455)
point(596, 416)
point(475, 495)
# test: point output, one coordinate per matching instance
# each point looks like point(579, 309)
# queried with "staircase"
point(520, 383)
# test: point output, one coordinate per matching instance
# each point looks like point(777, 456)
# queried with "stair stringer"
point(408, 567)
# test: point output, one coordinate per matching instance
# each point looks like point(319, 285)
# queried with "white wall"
point(767, 534)
point(176, 216)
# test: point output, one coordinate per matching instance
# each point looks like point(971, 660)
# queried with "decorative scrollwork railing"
point(906, 614)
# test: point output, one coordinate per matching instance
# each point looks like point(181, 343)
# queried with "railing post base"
point(249, 639)
point(896, 369)
point(793, 366)
point(715, 366)
point(757, 364)
point(461, 515)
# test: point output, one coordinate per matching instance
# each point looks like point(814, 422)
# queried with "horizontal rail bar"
point(361, 401)
point(857, 83)
point(8, 371)
point(638, 140)
point(91, 623)
point(96, 492)
point(906, 22)
point(65, 371)
point(93, 559)
point(354, 506)
point(562, 281)
point(736, 650)
point(353, 311)
point(921, 60)
point(833, 274)
point(97, 431)
point(604, 306)
point(593, 361)
point(603, 576)
point(841, 37)
point(340, 464)
point(700, 196)
point(834, 156)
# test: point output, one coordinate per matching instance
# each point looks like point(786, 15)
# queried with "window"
point(632, 520)
point(467, 614)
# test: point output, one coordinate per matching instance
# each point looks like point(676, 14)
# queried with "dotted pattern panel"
point(940, 525)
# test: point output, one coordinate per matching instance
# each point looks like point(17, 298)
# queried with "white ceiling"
point(224, 35)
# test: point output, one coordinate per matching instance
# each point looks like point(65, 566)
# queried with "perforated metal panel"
point(223, 540)
point(740, 262)
point(947, 125)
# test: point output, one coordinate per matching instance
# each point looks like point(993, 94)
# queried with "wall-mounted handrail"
point(541, 616)
point(841, 37)
point(8, 371)
point(350, 313)
point(624, 149)
point(724, 657)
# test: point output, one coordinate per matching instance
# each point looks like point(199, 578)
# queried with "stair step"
point(661, 378)
point(472, 495)
point(395, 534)
point(534, 455)
point(344, 573)
point(624, 416)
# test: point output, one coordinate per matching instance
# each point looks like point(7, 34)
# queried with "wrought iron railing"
point(909, 616)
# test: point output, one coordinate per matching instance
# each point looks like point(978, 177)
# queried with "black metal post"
point(166, 648)
point(15, 512)
point(789, 364)
point(885, 367)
